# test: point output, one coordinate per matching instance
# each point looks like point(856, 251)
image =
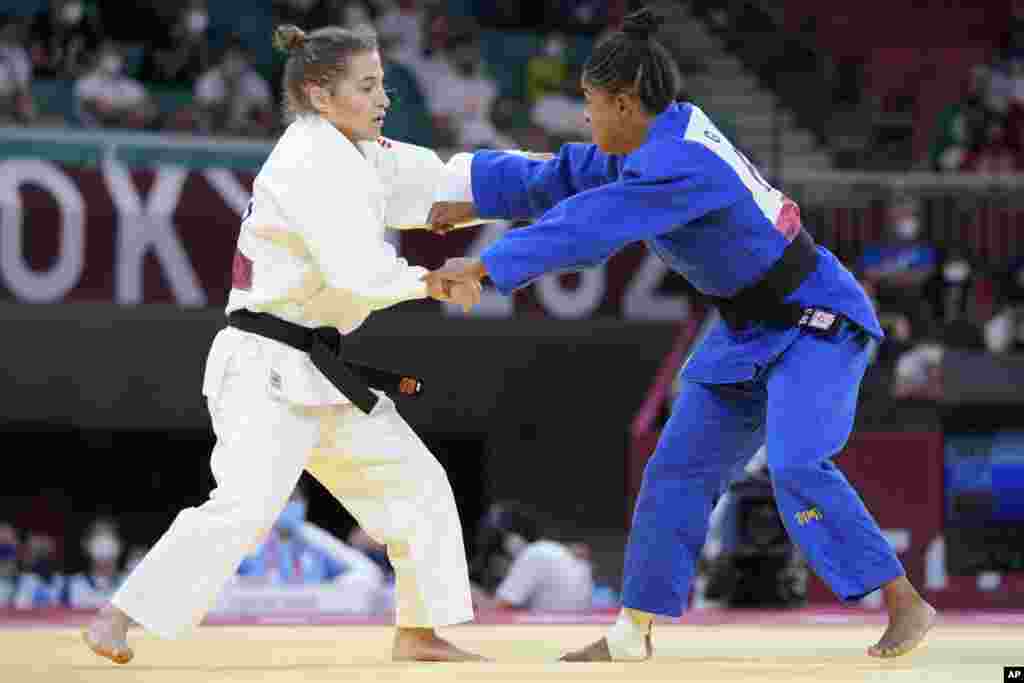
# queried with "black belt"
point(764, 300)
point(323, 345)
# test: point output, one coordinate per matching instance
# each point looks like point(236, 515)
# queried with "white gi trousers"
point(374, 464)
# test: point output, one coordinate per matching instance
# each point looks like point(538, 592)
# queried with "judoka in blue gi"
point(783, 368)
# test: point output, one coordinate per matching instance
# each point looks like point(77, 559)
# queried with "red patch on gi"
point(788, 222)
point(384, 142)
point(241, 272)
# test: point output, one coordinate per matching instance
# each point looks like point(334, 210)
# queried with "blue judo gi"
point(706, 211)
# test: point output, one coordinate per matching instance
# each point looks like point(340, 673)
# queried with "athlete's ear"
point(319, 97)
point(626, 104)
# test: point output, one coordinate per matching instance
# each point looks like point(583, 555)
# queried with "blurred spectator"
point(462, 97)
point(64, 39)
point(899, 267)
point(547, 72)
point(562, 113)
point(1004, 332)
point(400, 29)
point(918, 373)
point(41, 584)
point(349, 14)
point(184, 53)
point(94, 587)
point(427, 61)
point(293, 12)
point(997, 151)
point(16, 105)
point(963, 126)
point(107, 98)
point(8, 564)
point(577, 16)
point(952, 292)
point(534, 573)
point(233, 99)
point(284, 557)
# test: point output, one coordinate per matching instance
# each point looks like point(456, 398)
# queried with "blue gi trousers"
point(802, 407)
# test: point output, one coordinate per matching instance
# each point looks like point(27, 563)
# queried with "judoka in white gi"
point(334, 185)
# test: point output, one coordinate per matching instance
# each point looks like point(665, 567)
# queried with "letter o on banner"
point(25, 283)
point(580, 302)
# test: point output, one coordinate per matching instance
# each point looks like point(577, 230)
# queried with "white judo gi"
point(274, 414)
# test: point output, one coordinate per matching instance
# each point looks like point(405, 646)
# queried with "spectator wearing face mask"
point(184, 54)
point(41, 585)
point(64, 39)
point(108, 98)
point(8, 564)
point(16, 105)
point(462, 98)
point(899, 267)
point(285, 557)
point(233, 98)
point(94, 587)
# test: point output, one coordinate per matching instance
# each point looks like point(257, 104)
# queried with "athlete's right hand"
point(465, 294)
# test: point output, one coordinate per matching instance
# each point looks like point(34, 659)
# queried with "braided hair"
point(316, 58)
point(632, 60)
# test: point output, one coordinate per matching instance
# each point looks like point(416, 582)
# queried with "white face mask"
point(103, 548)
point(908, 228)
point(956, 272)
point(72, 13)
point(197, 21)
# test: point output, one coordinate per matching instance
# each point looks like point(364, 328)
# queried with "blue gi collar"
point(668, 122)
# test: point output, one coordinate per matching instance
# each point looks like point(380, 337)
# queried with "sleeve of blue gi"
point(654, 196)
point(508, 185)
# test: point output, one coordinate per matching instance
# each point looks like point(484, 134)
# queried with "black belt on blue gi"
point(764, 300)
point(323, 344)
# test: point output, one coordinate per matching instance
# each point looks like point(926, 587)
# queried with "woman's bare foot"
point(424, 645)
point(910, 619)
point(107, 635)
point(598, 652)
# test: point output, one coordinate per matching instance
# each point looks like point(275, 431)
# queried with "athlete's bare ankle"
point(114, 616)
point(900, 594)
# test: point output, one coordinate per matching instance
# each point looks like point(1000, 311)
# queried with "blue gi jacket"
point(692, 197)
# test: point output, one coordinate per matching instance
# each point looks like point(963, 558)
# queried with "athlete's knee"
point(784, 470)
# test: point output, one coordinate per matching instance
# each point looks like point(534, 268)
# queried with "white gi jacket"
point(340, 199)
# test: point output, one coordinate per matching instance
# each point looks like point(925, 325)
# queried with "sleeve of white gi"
point(328, 200)
point(412, 175)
